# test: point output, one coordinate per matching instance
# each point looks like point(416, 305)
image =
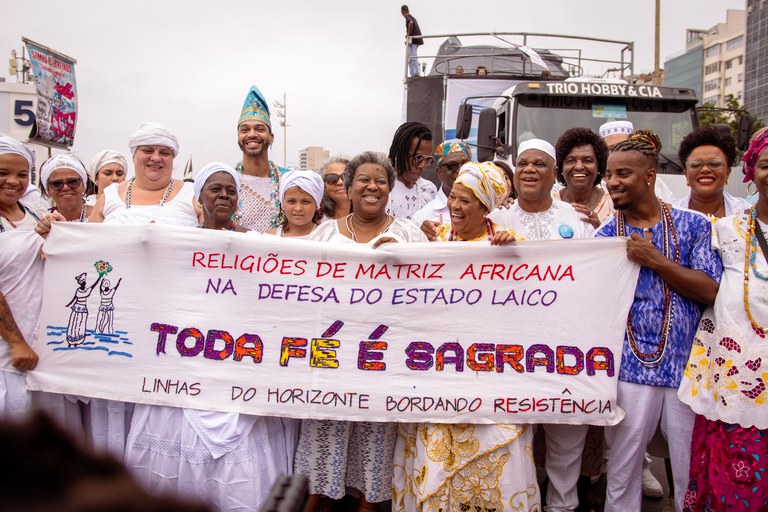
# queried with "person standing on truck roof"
point(614, 132)
point(410, 154)
point(259, 204)
point(679, 275)
point(412, 29)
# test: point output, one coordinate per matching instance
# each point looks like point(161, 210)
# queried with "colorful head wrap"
point(255, 108)
point(210, 169)
point(10, 146)
point(103, 158)
point(448, 147)
point(308, 181)
point(616, 127)
point(153, 134)
point(756, 148)
point(64, 161)
point(486, 181)
point(539, 144)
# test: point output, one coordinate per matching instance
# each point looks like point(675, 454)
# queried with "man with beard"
point(259, 205)
point(679, 276)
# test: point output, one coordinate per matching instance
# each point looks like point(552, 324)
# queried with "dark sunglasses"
point(427, 160)
point(452, 166)
point(332, 179)
point(72, 183)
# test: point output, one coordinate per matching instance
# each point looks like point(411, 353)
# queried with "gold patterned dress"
point(464, 467)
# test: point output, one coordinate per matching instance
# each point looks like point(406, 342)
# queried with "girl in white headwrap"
point(106, 168)
point(465, 466)
point(301, 196)
point(63, 179)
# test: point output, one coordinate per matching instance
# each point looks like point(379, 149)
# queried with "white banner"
point(452, 332)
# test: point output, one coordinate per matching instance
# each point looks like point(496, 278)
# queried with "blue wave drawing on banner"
point(116, 344)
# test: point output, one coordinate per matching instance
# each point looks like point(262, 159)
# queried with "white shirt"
point(561, 220)
point(436, 210)
point(404, 202)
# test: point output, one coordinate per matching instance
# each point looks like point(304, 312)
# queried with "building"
point(313, 158)
point(756, 59)
point(724, 59)
point(686, 68)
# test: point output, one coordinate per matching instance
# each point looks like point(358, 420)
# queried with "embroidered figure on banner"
point(78, 319)
point(105, 318)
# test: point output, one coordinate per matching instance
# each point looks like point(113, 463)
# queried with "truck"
point(525, 92)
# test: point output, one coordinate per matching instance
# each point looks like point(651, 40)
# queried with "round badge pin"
point(565, 231)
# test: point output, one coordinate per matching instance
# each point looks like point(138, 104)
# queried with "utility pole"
point(656, 66)
point(282, 114)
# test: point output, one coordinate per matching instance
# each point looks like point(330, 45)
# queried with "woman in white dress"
point(335, 455)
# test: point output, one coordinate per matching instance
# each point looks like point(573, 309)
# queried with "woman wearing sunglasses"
point(336, 203)
point(708, 157)
point(63, 179)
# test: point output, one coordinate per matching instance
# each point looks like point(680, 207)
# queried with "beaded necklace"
point(274, 174)
point(82, 212)
point(162, 201)
point(13, 224)
point(672, 252)
point(489, 232)
point(749, 261)
point(351, 226)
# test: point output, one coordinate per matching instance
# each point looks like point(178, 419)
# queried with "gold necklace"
point(351, 227)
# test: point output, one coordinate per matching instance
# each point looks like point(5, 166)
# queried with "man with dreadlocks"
point(679, 276)
point(411, 153)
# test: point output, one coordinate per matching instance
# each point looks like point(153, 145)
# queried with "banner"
point(56, 114)
point(441, 332)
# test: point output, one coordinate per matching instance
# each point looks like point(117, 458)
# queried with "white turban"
point(308, 181)
point(616, 127)
point(10, 146)
point(153, 134)
point(486, 181)
point(539, 144)
point(211, 169)
point(103, 158)
point(63, 161)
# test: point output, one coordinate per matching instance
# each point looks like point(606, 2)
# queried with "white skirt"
point(167, 456)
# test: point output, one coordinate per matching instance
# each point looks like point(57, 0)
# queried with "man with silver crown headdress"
point(259, 205)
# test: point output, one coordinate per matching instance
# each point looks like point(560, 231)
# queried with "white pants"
point(413, 60)
point(645, 407)
point(565, 444)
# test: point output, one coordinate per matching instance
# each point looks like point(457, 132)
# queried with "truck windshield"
point(547, 117)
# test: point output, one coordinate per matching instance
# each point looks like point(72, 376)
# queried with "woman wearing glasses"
point(336, 203)
point(410, 154)
point(63, 178)
point(708, 157)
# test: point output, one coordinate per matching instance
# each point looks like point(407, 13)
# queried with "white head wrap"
point(63, 161)
point(153, 134)
point(211, 169)
point(615, 127)
point(103, 158)
point(539, 144)
point(308, 181)
point(10, 146)
point(486, 181)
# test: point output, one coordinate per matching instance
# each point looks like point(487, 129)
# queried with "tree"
point(709, 115)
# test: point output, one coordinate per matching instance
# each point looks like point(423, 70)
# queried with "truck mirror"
point(486, 132)
point(464, 121)
point(744, 131)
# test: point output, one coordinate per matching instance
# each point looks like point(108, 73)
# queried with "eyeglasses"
point(696, 165)
point(72, 183)
point(452, 166)
point(427, 160)
point(331, 178)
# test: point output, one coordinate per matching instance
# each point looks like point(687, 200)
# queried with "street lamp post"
point(282, 114)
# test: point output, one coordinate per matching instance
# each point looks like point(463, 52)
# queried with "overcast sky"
point(188, 64)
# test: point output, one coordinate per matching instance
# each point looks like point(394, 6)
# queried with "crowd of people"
point(693, 351)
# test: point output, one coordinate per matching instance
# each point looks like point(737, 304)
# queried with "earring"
point(752, 183)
